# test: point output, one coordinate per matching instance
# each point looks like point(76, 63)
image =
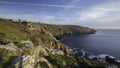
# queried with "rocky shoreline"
point(37, 54)
point(35, 45)
point(99, 57)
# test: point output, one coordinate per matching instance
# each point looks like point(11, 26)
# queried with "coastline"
point(98, 56)
point(37, 43)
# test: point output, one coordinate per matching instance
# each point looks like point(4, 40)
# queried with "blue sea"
point(105, 41)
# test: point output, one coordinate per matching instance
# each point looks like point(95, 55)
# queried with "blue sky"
point(90, 13)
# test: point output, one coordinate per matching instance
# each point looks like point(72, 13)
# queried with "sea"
point(104, 41)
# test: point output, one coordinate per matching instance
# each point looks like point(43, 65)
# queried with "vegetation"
point(45, 35)
point(10, 31)
point(38, 33)
point(6, 58)
point(64, 61)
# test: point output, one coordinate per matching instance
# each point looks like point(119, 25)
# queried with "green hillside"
point(36, 45)
point(39, 34)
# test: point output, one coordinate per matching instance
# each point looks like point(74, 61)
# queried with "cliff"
point(36, 45)
point(40, 34)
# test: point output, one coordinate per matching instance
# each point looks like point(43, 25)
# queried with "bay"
point(105, 41)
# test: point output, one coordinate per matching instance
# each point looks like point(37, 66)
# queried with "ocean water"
point(105, 41)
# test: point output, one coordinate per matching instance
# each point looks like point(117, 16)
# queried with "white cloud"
point(100, 11)
point(94, 13)
point(73, 3)
point(49, 5)
point(100, 15)
point(105, 15)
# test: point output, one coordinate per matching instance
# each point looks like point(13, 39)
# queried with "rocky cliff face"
point(40, 34)
point(35, 45)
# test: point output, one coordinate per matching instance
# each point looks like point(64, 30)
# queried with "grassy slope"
point(39, 34)
point(10, 31)
point(44, 35)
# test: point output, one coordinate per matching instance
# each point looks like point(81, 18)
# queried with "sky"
point(89, 13)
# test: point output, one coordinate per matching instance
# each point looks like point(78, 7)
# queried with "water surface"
point(105, 41)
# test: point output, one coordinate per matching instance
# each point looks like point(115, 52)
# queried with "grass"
point(40, 34)
point(73, 62)
point(10, 32)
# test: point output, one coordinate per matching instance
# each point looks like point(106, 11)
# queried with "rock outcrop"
point(36, 56)
point(10, 47)
point(28, 55)
point(35, 45)
point(30, 62)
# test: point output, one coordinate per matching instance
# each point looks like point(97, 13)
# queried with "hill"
point(37, 45)
point(40, 34)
